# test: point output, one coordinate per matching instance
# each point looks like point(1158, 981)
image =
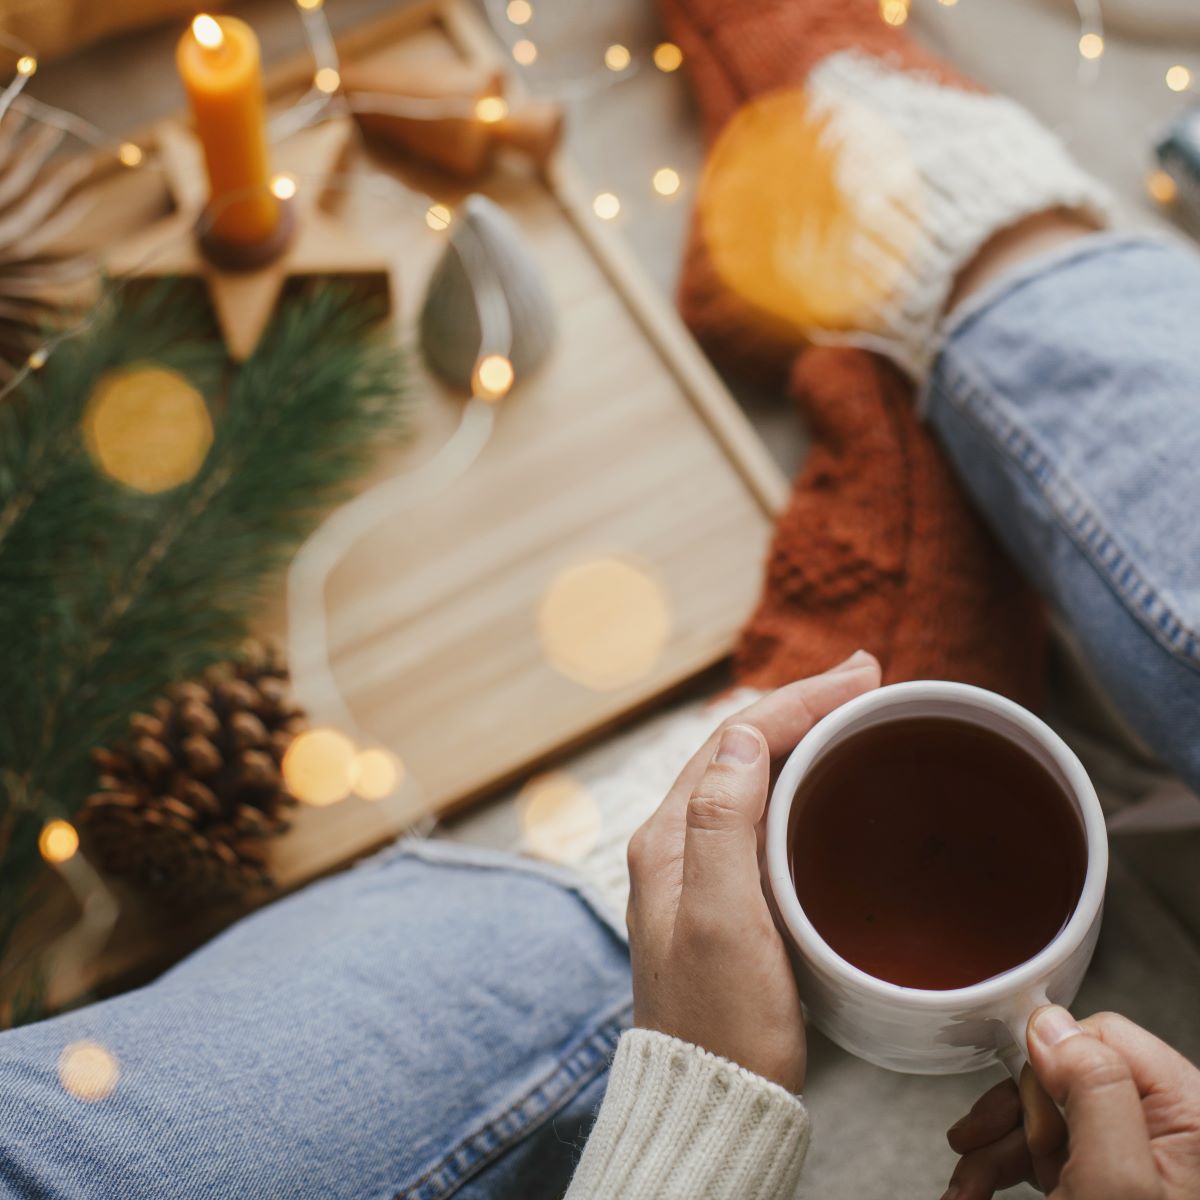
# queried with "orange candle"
point(220, 64)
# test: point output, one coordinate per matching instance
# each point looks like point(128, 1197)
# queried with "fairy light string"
point(513, 22)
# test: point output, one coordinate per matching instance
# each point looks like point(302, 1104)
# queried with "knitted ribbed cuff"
point(679, 1123)
point(932, 172)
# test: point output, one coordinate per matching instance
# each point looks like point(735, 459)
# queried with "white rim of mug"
point(1026, 975)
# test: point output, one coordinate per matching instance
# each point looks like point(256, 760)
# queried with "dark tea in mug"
point(934, 853)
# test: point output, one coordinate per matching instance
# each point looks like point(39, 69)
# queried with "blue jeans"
point(437, 1023)
point(1068, 399)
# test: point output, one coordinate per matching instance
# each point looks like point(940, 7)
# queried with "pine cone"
point(191, 798)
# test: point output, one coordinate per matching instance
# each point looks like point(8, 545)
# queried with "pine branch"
point(106, 595)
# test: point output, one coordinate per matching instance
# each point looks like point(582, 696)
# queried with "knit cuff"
point(931, 173)
point(679, 1123)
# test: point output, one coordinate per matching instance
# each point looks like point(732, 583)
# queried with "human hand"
point(709, 965)
point(1132, 1115)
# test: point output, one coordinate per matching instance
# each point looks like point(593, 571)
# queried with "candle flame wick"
point(207, 32)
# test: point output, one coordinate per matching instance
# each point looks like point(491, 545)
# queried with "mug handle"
point(1016, 1056)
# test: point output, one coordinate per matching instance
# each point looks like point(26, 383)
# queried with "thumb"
point(720, 849)
point(1110, 1153)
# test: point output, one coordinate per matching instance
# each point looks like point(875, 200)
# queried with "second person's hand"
point(1132, 1118)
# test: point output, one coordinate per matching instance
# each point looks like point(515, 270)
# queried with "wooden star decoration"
point(244, 300)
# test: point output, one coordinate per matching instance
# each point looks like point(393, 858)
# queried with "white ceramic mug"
point(962, 1029)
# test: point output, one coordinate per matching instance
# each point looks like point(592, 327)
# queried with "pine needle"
point(107, 595)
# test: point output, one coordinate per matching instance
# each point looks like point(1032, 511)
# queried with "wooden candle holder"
point(244, 283)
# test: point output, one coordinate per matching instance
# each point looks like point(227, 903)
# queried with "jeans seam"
point(1111, 561)
point(528, 1112)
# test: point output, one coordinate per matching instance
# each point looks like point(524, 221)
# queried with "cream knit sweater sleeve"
point(678, 1123)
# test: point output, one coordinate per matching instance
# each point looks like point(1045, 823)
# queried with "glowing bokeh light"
point(1162, 187)
point(147, 427)
point(283, 187)
point(37, 359)
point(791, 223)
point(320, 767)
point(310, 5)
point(668, 56)
point(606, 206)
point(666, 181)
point(617, 57)
point(490, 109)
point(378, 774)
point(1179, 78)
point(130, 154)
point(559, 817)
point(26, 65)
point(525, 52)
point(58, 841)
point(88, 1071)
point(519, 12)
point(603, 623)
point(438, 217)
point(1091, 46)
point(894, 12)
point(207, 32)
point(494, 377)
point(327, 80)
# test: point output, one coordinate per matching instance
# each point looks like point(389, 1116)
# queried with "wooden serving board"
point(624, 448)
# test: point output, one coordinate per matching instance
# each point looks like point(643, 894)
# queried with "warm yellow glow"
point(58, 841)
point(519, 12)
point(894, 12)
point(37, 360)
point(147, 427)
point(493, 377)
point(438, 217)
point(88, 1071)
point(26, 65)
point(327, 80)
point(379, 773)
point(1091, 45)
point(788, 222)
point(617, 57)
point(1162, 187)
point(1179, 78)
point(130, 154)
point(525, 52)
point(666, 181)
point(207, 32)
point(320, 767)
point(668, 56)
point(947, 3)
point(560, 819)
point(603, 623)
point(283, 187)
point(606, 206)
point(311, 5)
point(490, 109)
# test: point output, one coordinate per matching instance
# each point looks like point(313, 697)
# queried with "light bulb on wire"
point(1179, 78)
point(494, 377)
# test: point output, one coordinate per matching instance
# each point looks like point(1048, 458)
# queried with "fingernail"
point(738, 744)
point(860, 658)
point(1053, 1025)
